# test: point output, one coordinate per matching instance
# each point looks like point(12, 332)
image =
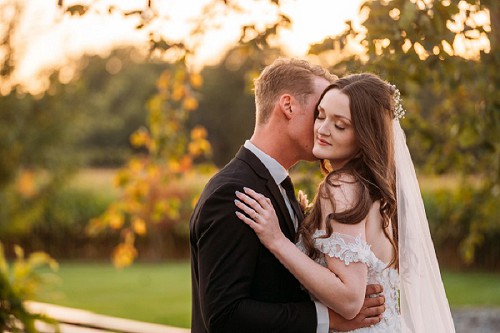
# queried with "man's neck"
point(274, 147)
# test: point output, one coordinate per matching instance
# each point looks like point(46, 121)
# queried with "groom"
point(237, 284)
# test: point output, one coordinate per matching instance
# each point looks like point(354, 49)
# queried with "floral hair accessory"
point(398, 111)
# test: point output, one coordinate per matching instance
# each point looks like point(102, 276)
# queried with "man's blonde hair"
point(292, 76)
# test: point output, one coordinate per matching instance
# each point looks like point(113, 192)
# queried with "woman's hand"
point(263, 217)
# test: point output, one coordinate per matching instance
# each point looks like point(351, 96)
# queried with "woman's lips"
point(322, 142)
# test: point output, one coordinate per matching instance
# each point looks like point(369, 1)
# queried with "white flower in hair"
point(399, 112)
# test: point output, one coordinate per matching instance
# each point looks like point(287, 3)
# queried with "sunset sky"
point(50, 39)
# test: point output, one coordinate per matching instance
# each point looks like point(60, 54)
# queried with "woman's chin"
point(320, 155)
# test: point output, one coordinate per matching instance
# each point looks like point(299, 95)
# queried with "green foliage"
point(18, 283)
point(110, 95)
point(453, 116)
point(61, 230)
point(35, 140)
point(458, 236)
point(35, 145)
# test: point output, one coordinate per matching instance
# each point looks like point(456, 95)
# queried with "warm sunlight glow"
point(49, 39)
point(313, 20)
point(53, 39)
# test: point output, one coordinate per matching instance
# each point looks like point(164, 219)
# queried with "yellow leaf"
point(186, 163)
point(26, 184)
point(194, 148)
point(19, 251)
point(140, 138)
point(198, 133)
point(155, 103)
point(205, 147)
point(136, 165)
point(163, 80)
point(159, 211)
point(179, 92)
point(196, 80)
point(174, 166)
point(190, 103)
point(139, 226)
point(115, 220)
point(124, 254)
point(94, 227)
point(153, 171)
point(122, 178)
point(140, 190)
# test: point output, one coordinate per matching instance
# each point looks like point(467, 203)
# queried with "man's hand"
point(370, 314)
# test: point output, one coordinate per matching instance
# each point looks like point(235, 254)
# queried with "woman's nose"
point(323, 130)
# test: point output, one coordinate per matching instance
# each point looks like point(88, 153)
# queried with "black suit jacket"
point(237, 284)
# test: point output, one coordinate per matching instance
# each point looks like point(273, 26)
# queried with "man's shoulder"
point(234, 174)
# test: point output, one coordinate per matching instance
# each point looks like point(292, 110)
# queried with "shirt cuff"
point(323, 318)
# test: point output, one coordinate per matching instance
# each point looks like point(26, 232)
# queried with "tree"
point(110, 94)
point(169, 149)
point(35, 139)
point(32, 168)
point(453, 117)
point(147, 198)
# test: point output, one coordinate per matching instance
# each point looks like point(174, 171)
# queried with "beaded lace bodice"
point(353, 249)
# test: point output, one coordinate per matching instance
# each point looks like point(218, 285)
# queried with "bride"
point(367, 224)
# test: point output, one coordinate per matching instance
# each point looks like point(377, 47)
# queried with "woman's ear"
point(285, 103)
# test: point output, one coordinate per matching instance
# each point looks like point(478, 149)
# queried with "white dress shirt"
point(279, 173)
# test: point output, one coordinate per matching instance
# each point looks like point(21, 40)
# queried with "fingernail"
point(236, 201)
point(237, 192)
point(245, 189)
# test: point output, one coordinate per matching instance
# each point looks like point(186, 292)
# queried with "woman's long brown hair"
point(372, 169)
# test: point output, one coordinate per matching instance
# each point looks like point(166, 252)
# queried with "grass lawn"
point(160, 293)
point(157, 293)
point(472, 289)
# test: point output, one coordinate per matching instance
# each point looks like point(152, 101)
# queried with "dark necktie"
point(290, 192)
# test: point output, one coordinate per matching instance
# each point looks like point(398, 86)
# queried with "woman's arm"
point(340, 287)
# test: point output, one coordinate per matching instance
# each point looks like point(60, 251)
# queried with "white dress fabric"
point(353, 249)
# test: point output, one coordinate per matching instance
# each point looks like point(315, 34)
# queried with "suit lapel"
point(253, 161)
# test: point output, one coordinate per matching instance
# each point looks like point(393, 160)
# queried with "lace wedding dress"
point(353, 249)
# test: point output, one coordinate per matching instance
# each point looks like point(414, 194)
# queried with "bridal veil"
point(423, 302)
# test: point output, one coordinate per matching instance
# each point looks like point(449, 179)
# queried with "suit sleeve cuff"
point(323, 319)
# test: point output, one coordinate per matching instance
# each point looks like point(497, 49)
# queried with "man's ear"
point(285, 103)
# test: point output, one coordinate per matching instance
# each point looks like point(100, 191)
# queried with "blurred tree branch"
point(169, 150)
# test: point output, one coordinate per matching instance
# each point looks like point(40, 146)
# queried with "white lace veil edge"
point(424, 306)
